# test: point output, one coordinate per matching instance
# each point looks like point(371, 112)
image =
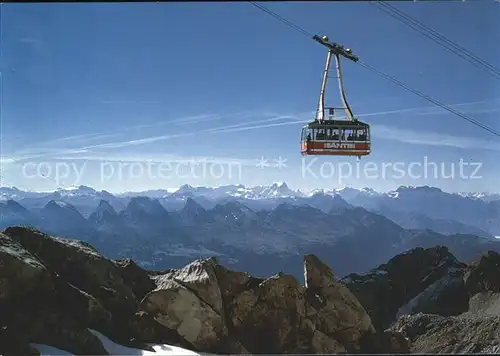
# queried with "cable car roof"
point(336, 124)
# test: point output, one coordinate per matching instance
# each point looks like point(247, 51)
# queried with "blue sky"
point(87, 86)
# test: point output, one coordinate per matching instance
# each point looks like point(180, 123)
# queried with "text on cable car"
point(340, 145)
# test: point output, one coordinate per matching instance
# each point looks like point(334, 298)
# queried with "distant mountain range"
point(411, 207)
point(261, 229)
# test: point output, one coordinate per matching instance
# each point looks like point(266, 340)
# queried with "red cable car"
point(330, 136)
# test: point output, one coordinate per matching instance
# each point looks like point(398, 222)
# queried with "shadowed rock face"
point(337, 309)
point(439, 304)
point(420, 280)
point(54, 290)
point(31, 306)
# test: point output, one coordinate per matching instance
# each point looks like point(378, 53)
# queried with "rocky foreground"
point(53, 290)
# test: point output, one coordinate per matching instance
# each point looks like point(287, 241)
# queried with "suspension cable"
point(386, 76)
point(285, 21)
point(430, 99)
point(437, 37)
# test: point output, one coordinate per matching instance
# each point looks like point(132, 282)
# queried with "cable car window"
point(308, 134)
point(349, 134)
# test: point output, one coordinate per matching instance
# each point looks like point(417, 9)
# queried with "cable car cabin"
point(336, 138)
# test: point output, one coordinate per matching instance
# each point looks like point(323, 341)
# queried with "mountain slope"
point(441, 305)
point(63, 218)
point(13, 213)
point(414, 220)
point(435, 204)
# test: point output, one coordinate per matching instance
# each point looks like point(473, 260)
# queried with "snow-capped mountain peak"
point(488, 197)
point(275, 190)
point(77, 190)
point(185, 188)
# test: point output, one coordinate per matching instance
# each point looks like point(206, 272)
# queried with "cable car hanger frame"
point(327, 136)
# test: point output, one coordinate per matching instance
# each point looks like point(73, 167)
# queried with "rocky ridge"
point(55, 290)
